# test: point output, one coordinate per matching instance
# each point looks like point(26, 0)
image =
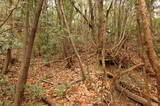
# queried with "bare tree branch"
point(7, 17)
point(85, 18)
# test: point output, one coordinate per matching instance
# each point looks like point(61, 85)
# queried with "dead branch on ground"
point(48, 101)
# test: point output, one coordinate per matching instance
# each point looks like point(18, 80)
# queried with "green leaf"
point(60, 89)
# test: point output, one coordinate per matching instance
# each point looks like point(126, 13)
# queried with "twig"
point(61, 60)
point(47, 82)
point(7, 17)
point(52, 61)
point(75, 82)
point(130, 69)
point(8, 29)
point(10, 14)
point(73, 4)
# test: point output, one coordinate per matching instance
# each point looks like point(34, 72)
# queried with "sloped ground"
point(53, 80)
point(49, 81)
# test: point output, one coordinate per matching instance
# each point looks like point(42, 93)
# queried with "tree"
point(67, 51)
point(68, 27)
point(148, 39)
point(22, 78)
point(101, 31)
point(92, 20)
point(9, 51)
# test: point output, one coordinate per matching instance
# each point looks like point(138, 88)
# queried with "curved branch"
point(7, 17)
point(10, 14)
point(85, 18)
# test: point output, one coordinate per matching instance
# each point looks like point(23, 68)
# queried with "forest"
point(79, 52)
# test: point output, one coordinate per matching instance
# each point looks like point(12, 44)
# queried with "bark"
point(71, 40)
point(143, 55)
point(22, 78)
point(7, 61)
point(59, 18)
point(101, 31)
point(48, 101)
point(67, 52)
point(9, 51)
point(145, 17)
point(26, 33)
point(92, 21)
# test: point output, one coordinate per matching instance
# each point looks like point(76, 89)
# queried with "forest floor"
point(54, 81)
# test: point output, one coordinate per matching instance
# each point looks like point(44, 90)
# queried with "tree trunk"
point(7, 61)
point(145, 17)
point(22, 78)
point(67, 51)
point(142, 54)
point(66, 24)
point(92, 21)
point(101, 31)
point(9, 51)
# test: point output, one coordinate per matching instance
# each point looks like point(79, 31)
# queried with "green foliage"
point(8, 40)
point(133, 79)
point(157, 49)
point(47, 45)
point(68, 9)
point(36, 104)
point(156, 40)
point(6, 103)
point(4, 79)
point(35, 91)
point(6, 87)
point(156, 22)
point(60, 89)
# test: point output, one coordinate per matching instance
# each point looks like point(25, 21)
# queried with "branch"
point(9, 29)
point(109, 8)
point(73, 4)
point(7, 17)
point(47, 82)
point(48, 101)
point(130, 69)
point(10, 14)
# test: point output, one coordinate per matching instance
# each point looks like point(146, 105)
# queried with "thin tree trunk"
point(9, 51)
point(22, 78)
point(101, 31)
point(101, 42)
point(7, 61)
point(145, 17)
point(92, 21)
point(72, 42)
point(67, 52)
point(26, 33)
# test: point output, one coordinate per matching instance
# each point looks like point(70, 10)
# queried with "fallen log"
point(129, 94)
point(133, 96)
